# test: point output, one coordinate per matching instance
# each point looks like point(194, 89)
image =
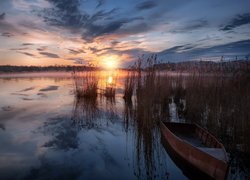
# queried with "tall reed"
point(86, 84)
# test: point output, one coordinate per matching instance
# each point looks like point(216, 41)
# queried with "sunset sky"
point(49, 32)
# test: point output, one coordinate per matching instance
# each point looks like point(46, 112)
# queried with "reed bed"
point(221, 104)
point(86, 84)
point(218, 101)
point(144, 113)
point(129, 85)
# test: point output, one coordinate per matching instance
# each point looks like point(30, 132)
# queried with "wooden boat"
point(196, 148)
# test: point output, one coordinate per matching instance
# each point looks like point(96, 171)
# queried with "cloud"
point(42, 48)
point(196, 24)
point(93, 31)
point(190, 26)
point(2, 16)
point(8, 29)
point(19, 49)
point(146, 5)
point(76, 51)
point(27, 89)
point(63, 13)
point(189, 52)
point(100, 3)
point(67, 15)
point(27, 44)
point(100, 51)
point(7, 34)
point(27, 54)
point(77, 60)
point(50, 55)
point(237, 21)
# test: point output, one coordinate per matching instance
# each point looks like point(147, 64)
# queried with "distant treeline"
point(9, 69)
point(207, 66)
point(188, 66)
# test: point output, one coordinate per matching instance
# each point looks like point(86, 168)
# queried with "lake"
point(46, 133)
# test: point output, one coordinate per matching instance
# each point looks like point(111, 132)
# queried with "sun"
point(110, 62)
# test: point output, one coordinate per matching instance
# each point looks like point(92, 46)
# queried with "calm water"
point(46, 134)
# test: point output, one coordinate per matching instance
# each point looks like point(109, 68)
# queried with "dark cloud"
point(100, 3)
point(7, 34)
point(95, 50)
point(190, 26)
point(19, 49)
point(76, 51)
point(2, 16)
point(196, 24)
point(135, 28)
point(146, 5)
point(2, 127)
point(27, 54)
point(64, 13)
point(77, 60)
point(114, 43)
point(67, 15)
point(27, 89)
point(93, 30)
point(42, 48)
point(100, 15)
point(188, 52)
point(50, 55)
point(98, 30)
point(237, 21)
point(27, 44)
point(172, 49)
point(66, 5)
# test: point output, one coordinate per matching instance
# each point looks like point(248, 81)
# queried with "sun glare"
point(110, 62)
point(110, 80)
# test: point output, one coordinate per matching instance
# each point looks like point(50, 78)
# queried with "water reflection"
point(105, 137)
point(143, 113)
point(64, 135)
point(85, 113)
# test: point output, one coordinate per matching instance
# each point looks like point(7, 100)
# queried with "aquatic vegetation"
point(86, 85)
point(217, 101)
point(129, 85)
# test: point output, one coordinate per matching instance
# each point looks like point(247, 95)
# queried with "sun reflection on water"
point(110, 80)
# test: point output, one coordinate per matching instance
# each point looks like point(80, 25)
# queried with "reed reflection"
point(144, 112)
point(85, 113)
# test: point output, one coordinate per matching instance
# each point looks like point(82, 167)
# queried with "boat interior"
point(199, 138)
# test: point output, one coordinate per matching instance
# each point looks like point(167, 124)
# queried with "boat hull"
point(209, 166)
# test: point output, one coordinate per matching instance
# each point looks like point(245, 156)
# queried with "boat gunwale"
point(221, 145)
